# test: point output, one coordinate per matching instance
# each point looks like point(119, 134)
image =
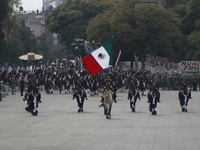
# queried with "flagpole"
point(99, 59)
point(110, 45)
point(118, 58)
point(79, 42)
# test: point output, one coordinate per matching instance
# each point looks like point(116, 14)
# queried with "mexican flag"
point(98, 59)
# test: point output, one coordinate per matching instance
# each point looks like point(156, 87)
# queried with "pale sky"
point(32, 4)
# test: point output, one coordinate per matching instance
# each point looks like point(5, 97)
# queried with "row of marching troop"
point(108, 94)
point(105, 84)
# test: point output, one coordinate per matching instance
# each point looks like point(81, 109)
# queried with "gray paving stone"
point(59, 127)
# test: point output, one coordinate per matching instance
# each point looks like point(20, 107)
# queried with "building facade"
point(53, 3)
point(45, 5)
point(34, 21)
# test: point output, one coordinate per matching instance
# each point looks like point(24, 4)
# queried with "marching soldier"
point(133, 85)
point(22, 86)
point(31, 81)
point(79, 86)
point(80, 95)
point(153, 85)
point(184, 86)
point(13, 84)
point(194, 82)
point(32, 95)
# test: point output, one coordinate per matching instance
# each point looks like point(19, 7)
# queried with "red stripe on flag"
point(91, 64)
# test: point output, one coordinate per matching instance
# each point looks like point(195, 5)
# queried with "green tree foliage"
point(48, 51)
point(171, 4)
point(8, 28)
point(141, 29)
point(194, 43)
point(188, 21)
point(189, 13)
point(4, 10)
point(99, 28)
point(12, 47)
point(70, 19)
point(160, 30)
point(28, 39)
point(7, 22)
point(11, 51)
point(112, 23)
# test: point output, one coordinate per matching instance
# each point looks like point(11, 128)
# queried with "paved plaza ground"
point(58, 126)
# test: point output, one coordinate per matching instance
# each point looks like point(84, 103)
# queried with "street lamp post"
point(79, 41)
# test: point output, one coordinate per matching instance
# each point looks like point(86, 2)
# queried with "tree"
point(193, 14)
point(4, 10)
point(70, 19)
point(189, 13)
point(12, 50)
point(113, 23)
point(159, 29)
point(194, 43)
point(6, 20)
point(28, 39)
point(98, 25)
point(14, 46)
point(172, 4)
point(142, 29)
point(8, 27)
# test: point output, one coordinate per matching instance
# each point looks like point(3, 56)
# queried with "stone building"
point(34, 21)
point(53, 3)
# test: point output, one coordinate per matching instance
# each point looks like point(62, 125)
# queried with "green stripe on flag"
point(108, 47)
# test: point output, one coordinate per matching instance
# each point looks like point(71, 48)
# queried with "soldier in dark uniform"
point(31, 85)
point(79, 85)
point(143, 83)
point(80, 95)
point(194, 82)
point(153, 85)
point(32, 95)
point(22, 86)
point(132, 86)
point(13, 83)
point(184, 86)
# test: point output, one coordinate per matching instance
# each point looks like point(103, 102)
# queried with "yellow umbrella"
point(31, 56)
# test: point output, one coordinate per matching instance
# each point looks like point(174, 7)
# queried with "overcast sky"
point(32, 4)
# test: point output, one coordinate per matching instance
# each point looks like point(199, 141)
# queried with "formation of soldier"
point(50, 78)
point(173, 81)
point(66, 80)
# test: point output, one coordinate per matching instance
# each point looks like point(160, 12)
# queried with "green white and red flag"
point(98, 59)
